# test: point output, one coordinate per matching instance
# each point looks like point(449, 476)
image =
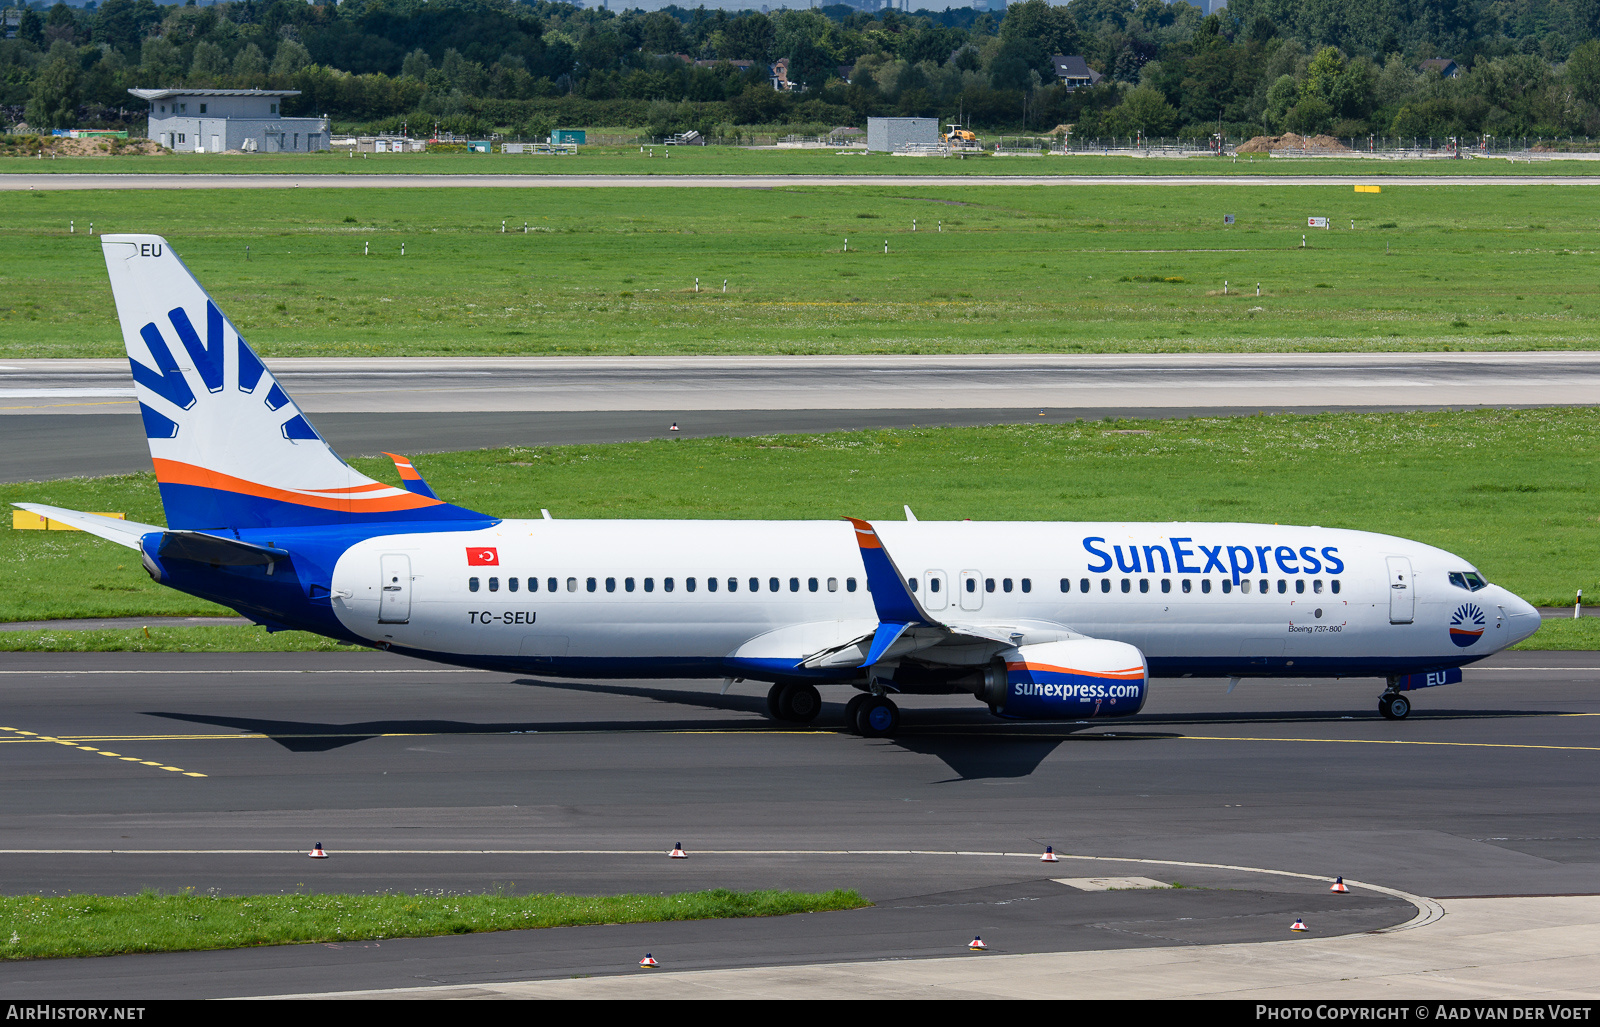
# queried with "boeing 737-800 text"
point(1036, 620)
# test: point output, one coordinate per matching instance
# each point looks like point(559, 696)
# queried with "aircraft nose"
point(1522, 618)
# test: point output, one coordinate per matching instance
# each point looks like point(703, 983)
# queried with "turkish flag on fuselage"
point(483, 557)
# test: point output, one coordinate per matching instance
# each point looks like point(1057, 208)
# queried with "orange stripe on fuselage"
point(174, 472)
point(1132, 673)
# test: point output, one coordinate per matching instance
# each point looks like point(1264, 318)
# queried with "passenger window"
point(1299, 585)
point(611, 584)
point(511, 584)
point(733, 584)
point(1005, 585)
point(472, 584)
point(972, 584)
point(688, 584)
point(1266, 586)
point(1066, 584)
point(794, 584)
point(572, 584)
point(988, 585)
point(1244, 586)
point(1186, 585)
point(811, 584)
point(833, 584)
point(589, 582)
point(649, 584)
point(1283, 586)
point(772, 584)
point(711, 585)
point(1335, 585)
point(755, 584)
point(849, 584)
point(1027, 584)
point(1205, 585)
point(911, 583)
point(494, 584)
point(533, 584)
point(1144, 584)
point(550, 584)
point(1227, 586)
point(666, 584)
point(1125, 584)
point(627, 584)
point(1105, 584)
point(933, 584)
point(1316, 586)
point(1083, 585)
point(1166, 584)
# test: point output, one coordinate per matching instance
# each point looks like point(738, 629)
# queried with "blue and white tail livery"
point(1033, 619)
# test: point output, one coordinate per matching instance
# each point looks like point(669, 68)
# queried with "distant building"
point(217, 120)
point(780, 77)
point(1445, 68)
point(886, 135)
point(1074, 72)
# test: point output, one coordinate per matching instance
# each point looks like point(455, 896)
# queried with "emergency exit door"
point(395, 605)
point(1402, 591)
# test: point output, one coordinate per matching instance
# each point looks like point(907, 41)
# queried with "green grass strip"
point(38, 927)
point(1564, 634)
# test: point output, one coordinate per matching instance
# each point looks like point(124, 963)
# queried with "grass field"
point(1081, 269)
point(1515, 492)
point(731, 160)
point(102, 925)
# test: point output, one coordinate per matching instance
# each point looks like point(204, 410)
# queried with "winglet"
point(890, 596)
point(409, 476)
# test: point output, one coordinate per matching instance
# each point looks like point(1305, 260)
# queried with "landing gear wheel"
point(774, 702)
point(852, 709)
point(799, 703)
point(1394, 707)
point(878, 717)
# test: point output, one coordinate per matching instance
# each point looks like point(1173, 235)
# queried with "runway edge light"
point(648, 961)
point(677, 852)
point(1339, 886)
point(1299, 925)
point(1049, 855)
point(316, 852)
point(977, 944)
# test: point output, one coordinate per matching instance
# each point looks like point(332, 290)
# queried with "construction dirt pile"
point(1291, 141)
point(66, 146)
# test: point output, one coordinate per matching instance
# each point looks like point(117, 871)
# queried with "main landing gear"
point(796, 702)
point(1394, 706)
point(872, 716)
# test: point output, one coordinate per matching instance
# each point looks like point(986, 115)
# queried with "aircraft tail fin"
point(230, 448)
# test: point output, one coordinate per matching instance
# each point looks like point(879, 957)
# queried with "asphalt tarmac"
point(78, 417)
point(420, 777)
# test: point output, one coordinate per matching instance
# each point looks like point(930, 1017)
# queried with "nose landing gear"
point(1394, 706)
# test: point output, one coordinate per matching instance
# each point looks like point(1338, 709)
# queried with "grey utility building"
point(217, 120)
point(886, 135)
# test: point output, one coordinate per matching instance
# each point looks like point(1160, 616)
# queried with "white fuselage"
point(636, 598)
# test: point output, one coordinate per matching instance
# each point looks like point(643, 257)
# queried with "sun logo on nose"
point(1466, 624)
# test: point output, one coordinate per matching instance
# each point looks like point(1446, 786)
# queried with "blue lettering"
point(1234, 552)
point(1286, 560)
point(1133, 554)
point(1213, 559)
point(1150, 560)
point(1102, 554)
point(1178, 553)
point(1335, 565)
point(1262, 552)
point(1309, 555)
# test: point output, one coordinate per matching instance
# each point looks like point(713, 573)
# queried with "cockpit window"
point(1472, 581)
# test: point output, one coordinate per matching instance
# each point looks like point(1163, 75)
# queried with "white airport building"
point(218, 120)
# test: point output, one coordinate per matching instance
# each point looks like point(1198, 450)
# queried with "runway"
point(422, 777)
point(25, 182)
point(71, 417)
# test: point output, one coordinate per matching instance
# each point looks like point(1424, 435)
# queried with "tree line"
point(1346, 67)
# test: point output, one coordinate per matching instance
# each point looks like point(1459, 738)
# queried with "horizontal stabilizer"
point(113, 529)
point(224, 552)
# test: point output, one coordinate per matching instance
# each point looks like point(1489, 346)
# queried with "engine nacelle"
point(1070, 680)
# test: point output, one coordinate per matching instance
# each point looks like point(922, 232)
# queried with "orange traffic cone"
point(1049, 855)
point(977, 944)
point(678, 853)
point(648, 961)
point(1339, 886)
point(316, 852)
point(1299, 925)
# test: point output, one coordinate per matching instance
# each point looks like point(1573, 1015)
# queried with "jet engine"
point(1074, 679)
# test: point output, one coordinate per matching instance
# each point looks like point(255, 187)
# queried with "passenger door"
point(935, 590)
point(971, 590)
point(1402, 591)
point(395, 606)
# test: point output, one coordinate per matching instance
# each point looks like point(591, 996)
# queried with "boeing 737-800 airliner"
point(1036, 620)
